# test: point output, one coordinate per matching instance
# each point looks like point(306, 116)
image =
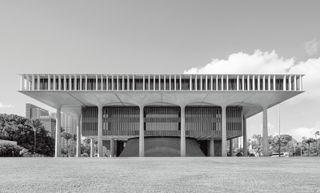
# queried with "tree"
point(256, 144)
point(67, 136)
point(316, 135)
point(24, 132)
point(309, 141)
point(286, 143)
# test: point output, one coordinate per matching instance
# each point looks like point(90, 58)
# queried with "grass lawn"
point(285, 175)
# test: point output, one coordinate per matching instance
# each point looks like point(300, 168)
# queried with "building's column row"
point(162, 82)
point(141, 134)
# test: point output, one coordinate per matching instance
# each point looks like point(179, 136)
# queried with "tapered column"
point(224, 132)
point(211, 148)
point(141, 133)
point(57, 152)
point(111, 147)
point(78, 148)
point(244, 134)
point(183, 133)
point(91, 148)
point(230, 147)
point(100, 147)
point(265, 144)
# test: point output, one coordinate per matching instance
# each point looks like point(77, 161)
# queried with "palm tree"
point(67, 137)
point(36, 124)
point(309, 141)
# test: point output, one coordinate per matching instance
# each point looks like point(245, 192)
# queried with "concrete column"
point(222, 83)
point(248, 82)
point(57, 152)
point(211, 83)
point(237, 82)
point(28, 82)
point(269, 82)
point(49, 82)
point(100, 145)
point(32, 82)
point(164, 82)
point(244, 134)
point(59, 82)
point(274, 82)
point(128, 82)
point(253, 82)
point(180, 83)
point(97, 84)
point(265, 143)
point(170, 82)
point(80, 82)
point(196, 82)
point(149, 82)
point(224, 131)
point(141, 132)
point(86, 83)
point(154, 82)
point(190, 82)
point(118, 84)
point(38, 82)
point(159, 82)
point(242, 82)
point(230, 146)
point(295, 83)
point(290, 83)
point(70, 82)
point(301, 83)
point(217, 80)
point(91, 148)
point(64, 82)
point(211, 148)
point(21, 82)
point(75, 82)
point(201, 82)
point(206, 85)
point(183, 133)
point(102, 81)
point(111, 147)
point(258, 82)
point(227, 83)
point(284, 83)
point(78, 146)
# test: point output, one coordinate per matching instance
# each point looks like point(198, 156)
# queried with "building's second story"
point(161, 82)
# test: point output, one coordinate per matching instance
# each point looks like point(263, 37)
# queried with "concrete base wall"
point(161, 147)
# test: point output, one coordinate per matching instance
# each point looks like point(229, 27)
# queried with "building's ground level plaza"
point(135, 175)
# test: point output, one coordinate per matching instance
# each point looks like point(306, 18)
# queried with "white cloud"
point(5, 105)
point(266, 62)
point(311, 47)
point(298, 133)
point(258, 62)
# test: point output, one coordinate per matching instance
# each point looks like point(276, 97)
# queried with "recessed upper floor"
point(161, 82)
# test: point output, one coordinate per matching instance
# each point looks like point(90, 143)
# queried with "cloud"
point(258, 62)
point(6, 105)
point(266, 62)
point(298, 133)
point(311, 47)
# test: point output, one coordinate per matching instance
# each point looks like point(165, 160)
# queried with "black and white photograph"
point(159, 96)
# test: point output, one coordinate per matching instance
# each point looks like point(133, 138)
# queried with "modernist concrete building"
point(162, 115)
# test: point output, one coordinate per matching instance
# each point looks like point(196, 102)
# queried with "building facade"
point(162, 115)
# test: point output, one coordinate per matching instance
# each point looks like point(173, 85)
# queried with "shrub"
point(10, 150)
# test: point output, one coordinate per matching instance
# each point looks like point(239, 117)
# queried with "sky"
point(167, 36)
